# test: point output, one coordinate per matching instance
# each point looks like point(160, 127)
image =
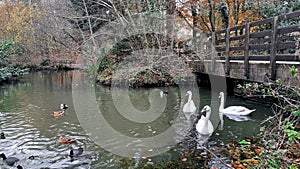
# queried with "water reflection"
point(31, 130)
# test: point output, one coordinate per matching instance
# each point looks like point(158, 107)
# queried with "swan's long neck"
point(208, 113)
point(221, 108)
point(190, 98)
point(221, 120)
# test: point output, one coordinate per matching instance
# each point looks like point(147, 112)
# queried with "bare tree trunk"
point(194, 15)
point(195, 21)
point(89, 21)
point(211, 16)
point(171, 5)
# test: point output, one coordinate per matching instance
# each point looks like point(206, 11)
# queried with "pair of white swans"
point(204, 125)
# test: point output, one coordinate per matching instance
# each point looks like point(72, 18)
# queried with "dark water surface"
point(31, 130)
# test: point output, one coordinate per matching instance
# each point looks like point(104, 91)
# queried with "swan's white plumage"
point(204, 125)
point(233, 110)
point(238, 118)
point(189, 107)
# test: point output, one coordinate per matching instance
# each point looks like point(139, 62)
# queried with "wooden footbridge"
point(253, 51)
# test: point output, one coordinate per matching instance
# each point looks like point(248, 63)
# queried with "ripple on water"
point(24, 140)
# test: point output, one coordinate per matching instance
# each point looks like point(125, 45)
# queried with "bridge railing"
point(270, 40)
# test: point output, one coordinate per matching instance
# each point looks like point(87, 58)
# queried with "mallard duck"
point(163, 93)
point(2, 136)
point(59, 113)
point(233, 110)
point(19, 167)
point(66, 140)
point(63, 106)
point(204, 125)
point(10, 161)
point(76, 152)
point(32, 157)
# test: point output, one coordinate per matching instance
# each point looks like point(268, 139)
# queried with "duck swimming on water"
point(59, 113)
point(66, 140)
point(76, 152)
point(2, 136)
point(163, 93)
point(19, 167)
point(10, 161)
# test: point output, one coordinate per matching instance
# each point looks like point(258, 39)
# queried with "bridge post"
point(246, 57)
point(213, 51)
point(273, 50)
point(227, 48)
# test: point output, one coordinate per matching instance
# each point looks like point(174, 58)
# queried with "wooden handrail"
point(265, 38)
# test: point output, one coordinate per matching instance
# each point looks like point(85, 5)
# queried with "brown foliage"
point(15, 20)
point(237, 16)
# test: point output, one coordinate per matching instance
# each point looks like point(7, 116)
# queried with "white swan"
point(239, 118)
point(233, 110)
point(189, 107)
point(204, 125)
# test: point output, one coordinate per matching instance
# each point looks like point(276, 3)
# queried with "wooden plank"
point(287, 38)
point(288, 29)
point(213, 44)
point(241, 58)
point(241, 37)
point(227, 66)
point(237, 48)
point(289, 16)
point(279, 57)
point(286, 45)
point(220, 49)
point(261, 34)
point(220, 41)
point(261, 22)
point(246, 58)
point(259, 57)
point(251, 57)
point(231, 57)
point(260, 41)
point(237, 28)
point(236, 57)
point(288, 57)
point(273, 50)
point(220, 57)
point(259, 47)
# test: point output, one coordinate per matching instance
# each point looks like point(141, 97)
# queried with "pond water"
point(25, 118)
